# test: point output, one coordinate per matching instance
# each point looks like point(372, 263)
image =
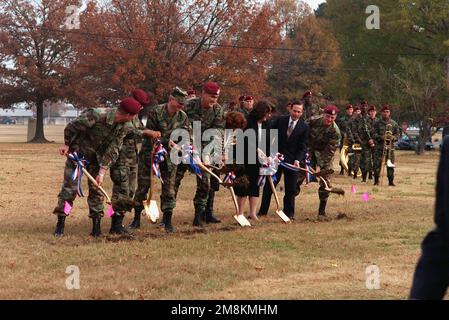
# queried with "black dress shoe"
point(210, 218)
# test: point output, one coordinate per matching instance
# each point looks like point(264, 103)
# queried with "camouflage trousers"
point(143, 175)
point(323, 195)
point(378, 163)
point(68, 190)
point(124, 180)
point(366, 159)
point(355, 160)
point(202, 187)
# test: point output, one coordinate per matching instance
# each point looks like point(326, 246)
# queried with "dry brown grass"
point(304, 260)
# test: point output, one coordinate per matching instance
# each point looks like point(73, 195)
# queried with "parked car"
point(8, 120)
point(405, 143)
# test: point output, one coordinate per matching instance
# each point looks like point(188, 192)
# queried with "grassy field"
point(271, 260)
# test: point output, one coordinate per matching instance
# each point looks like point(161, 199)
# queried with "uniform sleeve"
point(85, 121)
point(355, 132)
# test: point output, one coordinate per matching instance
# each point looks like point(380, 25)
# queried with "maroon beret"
point(357, 107)
point(349, 106)
point(385, 107)
point(211, 88)
point(249, 98)
point(191, 91)
point(307, 93)
point(372, 108)
point(241, 98)
point(331, 109)
point(364, 102)
point(130, 105)
point(141, 96)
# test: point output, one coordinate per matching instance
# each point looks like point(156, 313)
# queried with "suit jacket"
point(294, 147)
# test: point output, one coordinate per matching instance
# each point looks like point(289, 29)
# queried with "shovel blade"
point(283, 216)
point(151, 210)
point(240, 218)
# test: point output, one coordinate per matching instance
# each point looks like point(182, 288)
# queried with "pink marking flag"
point(353, 188)
point(110, 211)
point(365, 197)
point(67, 208)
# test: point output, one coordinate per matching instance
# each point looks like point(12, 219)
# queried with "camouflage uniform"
point(379, 136)
point(354, 137)
point(244, 111)
point(322, 144)
point(124, 171)
point(210, 118)
point(95, 136)
point(366, 133)
point(159, 120)
point(311, 111)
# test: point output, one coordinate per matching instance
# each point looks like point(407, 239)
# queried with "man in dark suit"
point(292, 136)
point(431, 278)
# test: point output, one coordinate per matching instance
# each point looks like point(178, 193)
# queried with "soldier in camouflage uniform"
point(343, 122)
point(97, 135)
point(372, 111)
point(324, 137)
point(247, 105)
point(354, 138)
point(310, 109)
point(379, 139)
point(365, 133)
point(163, 119)
point(211, 115)
point(124, 171)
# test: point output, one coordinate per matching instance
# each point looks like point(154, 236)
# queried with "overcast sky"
point(314, 3)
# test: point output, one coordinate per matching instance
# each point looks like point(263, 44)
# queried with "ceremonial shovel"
point(150, 206)
point(279, 212)
point(92, 179)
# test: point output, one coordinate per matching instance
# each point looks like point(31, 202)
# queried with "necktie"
point(290, 129)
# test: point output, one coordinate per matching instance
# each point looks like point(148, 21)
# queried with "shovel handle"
point(273, 188)
point(92, 179)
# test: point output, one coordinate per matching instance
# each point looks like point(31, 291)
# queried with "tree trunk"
point(39, 136)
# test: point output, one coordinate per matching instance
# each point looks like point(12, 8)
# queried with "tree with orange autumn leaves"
point(154, 45)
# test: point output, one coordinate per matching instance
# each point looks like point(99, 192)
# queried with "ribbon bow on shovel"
point(196, 163)
point(80, 168)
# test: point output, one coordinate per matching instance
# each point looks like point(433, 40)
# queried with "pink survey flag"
point(110, 211)
point(365, 197)
point(353, 188)
point(67, 208)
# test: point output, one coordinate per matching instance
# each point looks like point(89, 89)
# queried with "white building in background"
point(21, 116)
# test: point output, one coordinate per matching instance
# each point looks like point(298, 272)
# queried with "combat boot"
point(96, 227)
point(376, 180)
point(370, 176)
point(59, 231)
point(135, 224)
point(117, 226)
point(322, 211)
point(167, 222)
point(198, 220)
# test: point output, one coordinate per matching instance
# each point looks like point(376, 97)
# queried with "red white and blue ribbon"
point(77, 172)
point(159, 155)
point(189, 154)
point(269, 168)
point(229, 177)
point(308, 167)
